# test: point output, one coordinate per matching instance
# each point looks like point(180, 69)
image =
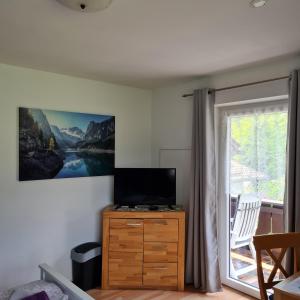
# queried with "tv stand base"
point(153, 207)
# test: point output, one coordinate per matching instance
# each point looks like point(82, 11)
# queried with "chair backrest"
point(245, 220)
point(267, 243)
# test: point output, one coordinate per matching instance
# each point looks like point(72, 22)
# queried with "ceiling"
point(147, 43)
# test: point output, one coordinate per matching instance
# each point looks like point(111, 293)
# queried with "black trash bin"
point(87, 265)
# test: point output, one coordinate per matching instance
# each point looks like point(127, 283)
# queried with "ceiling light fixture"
point(86, 5)
point(258, 3)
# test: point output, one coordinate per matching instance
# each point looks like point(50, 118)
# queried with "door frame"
point(223, 206)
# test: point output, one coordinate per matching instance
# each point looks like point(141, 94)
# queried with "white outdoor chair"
point(244, 228)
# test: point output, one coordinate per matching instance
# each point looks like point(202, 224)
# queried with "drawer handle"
point(134, 224)
point(161, 268)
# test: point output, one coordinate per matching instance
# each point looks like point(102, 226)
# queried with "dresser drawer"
point(126, 235)
point(160, 252)
point(125, 269)
point(160, 275)
point(161, 230)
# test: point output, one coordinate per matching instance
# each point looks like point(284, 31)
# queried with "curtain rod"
point(241, 85)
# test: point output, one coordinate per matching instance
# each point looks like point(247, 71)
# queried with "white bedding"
point(53, 283)
point(18, 293)
point(5, 294)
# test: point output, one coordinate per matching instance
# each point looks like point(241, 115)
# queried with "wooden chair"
point(244, 228)
point(267, 243)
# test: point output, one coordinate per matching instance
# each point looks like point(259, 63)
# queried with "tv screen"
point(137, 186)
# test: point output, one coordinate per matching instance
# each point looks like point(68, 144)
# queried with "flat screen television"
point(144, 186)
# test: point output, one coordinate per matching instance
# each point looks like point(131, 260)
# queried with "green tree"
point(261, 146)
point(51, 143)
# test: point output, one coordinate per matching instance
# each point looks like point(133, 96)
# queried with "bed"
point(70, 289)
point(49, 275)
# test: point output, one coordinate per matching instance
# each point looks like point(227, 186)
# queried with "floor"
point(242, 258)
point(189, 294)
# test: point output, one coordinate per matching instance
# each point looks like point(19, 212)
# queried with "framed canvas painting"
point(58, 144)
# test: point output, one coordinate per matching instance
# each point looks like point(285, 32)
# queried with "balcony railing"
point(271, 219)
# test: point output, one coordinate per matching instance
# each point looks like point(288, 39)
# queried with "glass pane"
point(257, 173)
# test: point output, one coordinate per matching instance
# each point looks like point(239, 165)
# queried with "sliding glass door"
point(252, 163)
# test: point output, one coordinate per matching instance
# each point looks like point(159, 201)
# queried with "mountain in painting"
point(67, 137)
point(72, 135)
point(99, 135)
point(42, 122)
point(60, 139)
point(74, 132)
point(38, 155)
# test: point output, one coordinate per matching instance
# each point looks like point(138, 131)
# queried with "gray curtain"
point(292, 209)
point(292, 195)
point(202, 263)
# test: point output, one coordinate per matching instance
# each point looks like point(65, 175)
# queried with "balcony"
point(271, 220)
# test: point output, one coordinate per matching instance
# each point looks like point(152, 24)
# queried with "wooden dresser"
point(143, 250)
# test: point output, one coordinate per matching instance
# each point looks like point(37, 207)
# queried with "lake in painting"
point(78, 165)
point(56, 144)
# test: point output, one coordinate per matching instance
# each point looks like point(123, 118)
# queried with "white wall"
point(172, 114)
point(40, 221)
